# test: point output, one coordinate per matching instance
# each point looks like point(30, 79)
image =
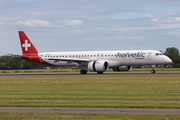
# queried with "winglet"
point(26, 45)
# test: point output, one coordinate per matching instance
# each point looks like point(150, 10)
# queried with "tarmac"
point(108, 74)
point(91, 110)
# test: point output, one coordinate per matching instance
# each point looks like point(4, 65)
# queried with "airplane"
point(94, 61)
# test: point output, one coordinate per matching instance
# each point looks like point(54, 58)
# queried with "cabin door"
point(149, 56)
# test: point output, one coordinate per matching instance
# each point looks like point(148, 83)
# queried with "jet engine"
point(98, 66)
point(122, 68)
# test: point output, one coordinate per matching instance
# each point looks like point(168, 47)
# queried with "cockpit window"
point(157, 54)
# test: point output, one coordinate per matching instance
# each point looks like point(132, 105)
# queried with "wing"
point(55, 59)
point(69, 59)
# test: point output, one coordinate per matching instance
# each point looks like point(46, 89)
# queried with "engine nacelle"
point(98, 66)
point(122, 68)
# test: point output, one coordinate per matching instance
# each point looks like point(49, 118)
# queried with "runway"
point(91, 110)
point(73, 75)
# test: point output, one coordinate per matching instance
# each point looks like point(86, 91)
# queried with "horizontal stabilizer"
point(20, 56)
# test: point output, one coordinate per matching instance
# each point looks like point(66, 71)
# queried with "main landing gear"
point(83, 71)
point(99, 72)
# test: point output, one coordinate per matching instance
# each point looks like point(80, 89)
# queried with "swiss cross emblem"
point(26, 45)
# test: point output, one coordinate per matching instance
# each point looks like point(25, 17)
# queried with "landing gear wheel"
point(83, 72)
point(99, 72)
point(153, 71)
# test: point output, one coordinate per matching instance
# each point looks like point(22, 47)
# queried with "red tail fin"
point(26, 45)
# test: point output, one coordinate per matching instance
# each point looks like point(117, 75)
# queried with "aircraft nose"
point(168, 60)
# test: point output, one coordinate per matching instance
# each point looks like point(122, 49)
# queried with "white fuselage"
point(114, 58)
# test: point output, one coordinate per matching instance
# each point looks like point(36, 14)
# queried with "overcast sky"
point(83, 25)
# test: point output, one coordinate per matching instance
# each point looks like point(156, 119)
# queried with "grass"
point(71, 116)
point(77, 71)
point(106, 92)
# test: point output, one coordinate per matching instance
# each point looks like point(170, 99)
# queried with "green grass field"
point(70, 116)
point(117, 91)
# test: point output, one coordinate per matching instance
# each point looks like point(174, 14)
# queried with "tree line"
point(174, 55)
point(13, 63)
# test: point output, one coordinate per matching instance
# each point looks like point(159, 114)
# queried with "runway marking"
point(91, 110)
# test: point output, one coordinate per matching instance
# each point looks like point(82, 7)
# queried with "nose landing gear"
point(153, 69)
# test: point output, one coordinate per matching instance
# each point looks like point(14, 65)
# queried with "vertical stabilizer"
point(26, 45)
